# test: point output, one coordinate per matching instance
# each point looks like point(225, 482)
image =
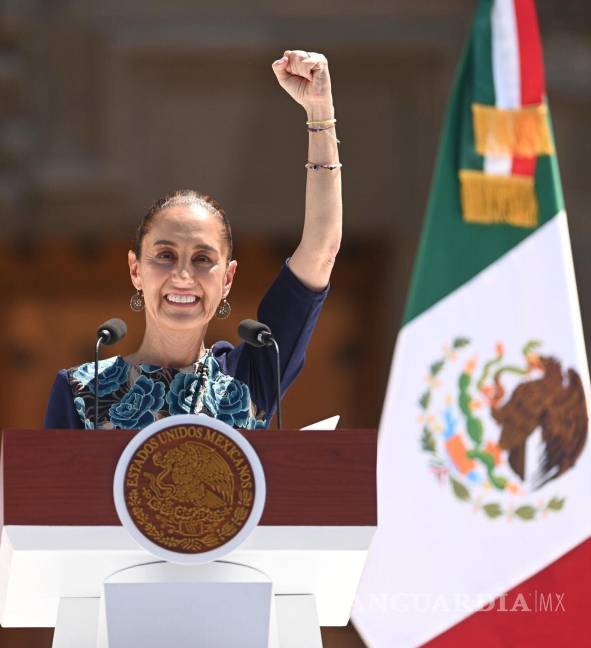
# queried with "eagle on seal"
point(556, 404)
point(195, 474)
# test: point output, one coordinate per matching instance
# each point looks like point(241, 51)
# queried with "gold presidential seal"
point(189, 488)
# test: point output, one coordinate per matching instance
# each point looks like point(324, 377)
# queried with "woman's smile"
point(184, 300)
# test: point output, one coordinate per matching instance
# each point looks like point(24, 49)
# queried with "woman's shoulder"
point(83, 374)
point(221, 348)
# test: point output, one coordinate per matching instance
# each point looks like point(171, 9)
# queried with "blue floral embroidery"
point(136, 409)
point(229, 399)
point(81, 410)
point(113, 373)
point(256, 424)
point(180, 393)
point(155, 392)
point(150, 368)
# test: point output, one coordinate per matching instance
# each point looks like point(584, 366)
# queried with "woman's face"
point(183, 269)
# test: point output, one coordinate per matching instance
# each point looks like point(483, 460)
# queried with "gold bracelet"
point(321, 122)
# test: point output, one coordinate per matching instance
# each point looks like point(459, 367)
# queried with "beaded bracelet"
point(320, 130)
point(315, 166)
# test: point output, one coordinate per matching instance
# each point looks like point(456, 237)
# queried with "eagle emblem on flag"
point(500, 429)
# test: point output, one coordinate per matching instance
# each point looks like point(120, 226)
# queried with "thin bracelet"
point(321, 122)
point(315, 166)
point(320, 130)
point(316, 129)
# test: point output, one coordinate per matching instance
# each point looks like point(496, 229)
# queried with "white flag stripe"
point(505, 55)
point(506, 73)
point(435, 559)
point(498, 164)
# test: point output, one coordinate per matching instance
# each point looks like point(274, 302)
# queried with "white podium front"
point(159, 604)
point(41, 566)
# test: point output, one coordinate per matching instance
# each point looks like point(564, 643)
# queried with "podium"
point(62, 545)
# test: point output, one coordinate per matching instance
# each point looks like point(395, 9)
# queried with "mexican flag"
point(484, 467)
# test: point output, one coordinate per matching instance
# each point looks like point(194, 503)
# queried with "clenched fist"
point(305, 77)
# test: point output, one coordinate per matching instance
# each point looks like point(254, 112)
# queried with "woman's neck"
point(169, 349)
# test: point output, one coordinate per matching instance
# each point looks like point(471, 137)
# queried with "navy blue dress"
point(240, 387)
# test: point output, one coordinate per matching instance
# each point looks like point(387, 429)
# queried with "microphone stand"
point(110, 332)
point(279, 417)
point(96, 389)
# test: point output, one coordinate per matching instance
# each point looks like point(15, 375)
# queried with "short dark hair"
point(183, 197)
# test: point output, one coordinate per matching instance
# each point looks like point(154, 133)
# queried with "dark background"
point(106, 105)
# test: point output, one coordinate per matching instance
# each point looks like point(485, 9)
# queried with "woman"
point(182, 269)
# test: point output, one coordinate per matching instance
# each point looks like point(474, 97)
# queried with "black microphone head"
point(112, 331)
point(253, 332)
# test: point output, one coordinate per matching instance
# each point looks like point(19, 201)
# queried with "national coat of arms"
point(499, 430)
point(189, 488)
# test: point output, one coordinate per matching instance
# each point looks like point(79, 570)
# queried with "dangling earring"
point(224, 309)
point(137, 303)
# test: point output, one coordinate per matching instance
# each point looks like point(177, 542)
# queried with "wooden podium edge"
point(64, 477)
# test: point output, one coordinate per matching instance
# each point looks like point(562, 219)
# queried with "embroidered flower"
point(113, 373)
point(80, 406)
point(136, 409)
point(180, 393)
point(229, 400)
point(150, 368)
point(255, 424)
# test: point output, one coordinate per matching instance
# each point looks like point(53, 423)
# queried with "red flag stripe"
point(549, 609)
point(530, 53)
point(523, 166)
point(531, 68)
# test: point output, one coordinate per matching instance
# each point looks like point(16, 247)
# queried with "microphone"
point(112, 331)
point(258, 334)
point(107, 333)
point(255, 333)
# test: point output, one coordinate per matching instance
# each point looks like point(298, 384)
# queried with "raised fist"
point(305, 77)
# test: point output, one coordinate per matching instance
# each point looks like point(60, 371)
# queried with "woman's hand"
point(305, 77)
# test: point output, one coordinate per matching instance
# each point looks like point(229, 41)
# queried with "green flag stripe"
point(468, 156)
point(452, 251)
point(481, 41)
point(476, 69)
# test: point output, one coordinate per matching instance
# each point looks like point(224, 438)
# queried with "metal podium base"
point(216, 605)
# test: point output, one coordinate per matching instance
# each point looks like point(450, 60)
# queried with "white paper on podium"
point(327, 424)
